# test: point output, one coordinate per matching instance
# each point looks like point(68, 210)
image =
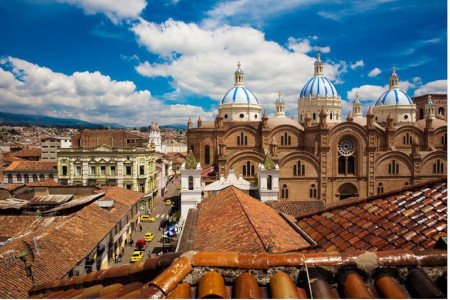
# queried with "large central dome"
point(318, 86)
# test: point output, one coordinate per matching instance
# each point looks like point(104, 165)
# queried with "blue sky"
point(135, 61)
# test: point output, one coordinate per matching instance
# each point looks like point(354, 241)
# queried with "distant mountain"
point(46, 121)
point(174, 126)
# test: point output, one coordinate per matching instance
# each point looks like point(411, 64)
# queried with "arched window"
point(282, 140)
point(407, 139)
point(207, 155)
point(421, 116)
point(238, 140)
point(10, 178)
point(248, 169)
point(394, 167)
point(380, 188)
point(192, 148)
point(331, 116)
point(314, 116)
point(299, 169)
point(191, 183)
point(284, 192)
point(289, 140)
point(346, 157)
point(242, 139)
point(313, 191)
point(35, 177)
point(41, 176)
point(245, 140)
point(19, 177)
point(269, 182)
point(50, 176)
point(26, 178)
point(253, 170)
point(441, 111)
point(444, 139)
point(438, 167)
point(244, 170)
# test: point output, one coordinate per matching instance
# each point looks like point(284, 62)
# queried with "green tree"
point(268, 162)
point(191, 163)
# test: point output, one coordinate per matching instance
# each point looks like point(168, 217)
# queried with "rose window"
point(346, 147)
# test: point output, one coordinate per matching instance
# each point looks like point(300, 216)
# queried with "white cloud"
point(358, 64)
point(115, 10)
point(433, 87)
point(202, 61)
point(304, 46)
point(374, 73)
point(90, 96)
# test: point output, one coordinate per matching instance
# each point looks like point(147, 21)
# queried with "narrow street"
point(160, 212)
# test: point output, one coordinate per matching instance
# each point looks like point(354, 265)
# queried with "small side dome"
point(240, 94)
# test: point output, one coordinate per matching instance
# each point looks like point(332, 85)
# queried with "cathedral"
point(324, 154)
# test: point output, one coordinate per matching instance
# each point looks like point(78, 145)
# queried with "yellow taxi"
point(168, 202)
point(179, 187)
point(136, 256)
point(149, 236)
point(147, 218)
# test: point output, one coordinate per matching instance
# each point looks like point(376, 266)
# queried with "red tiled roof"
point(357, 274)
point(234, 221)
point(33, 166)
point(297, 208)
point(8, 157)
point(28, 152)
point(124, 196)
point(411, 219)
point(12, 186)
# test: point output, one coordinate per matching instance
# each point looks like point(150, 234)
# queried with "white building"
point(191, 190)
point(155, 137)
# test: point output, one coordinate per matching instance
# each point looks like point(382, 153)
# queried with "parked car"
point(147, 218)
point(136, 256)
point(141, 245)
point(149, 236)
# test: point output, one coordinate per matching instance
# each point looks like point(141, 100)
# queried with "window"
point(394, 167)
point(241, 116)
point(346, 159)
point(284, 192)
point(313, 191)
point(444, 139)
point(10, 178)
point(299, 169)
point(190, 183)
point(19, 177)
point(380, 188)
point(141, 170)
point(103, 170)
point(64, 170)
point(421, 116)
point(35, 177)
point(41, 176)
point(405, 117)
point(128, 170)
point(301, 118)
point(242, 139)
point(128, 186)
point(256, 116)
point(248, 169)
point(331, 116)
point(226, 116)
point(78, 170)
point(112, 170)
point(314, 116)
point(441, 111)
point(407, 139)
point(26, 178)
point(269, 182)
point(50, 176)
point(93, 171)
point(192, 148)
point(285, 139)
point(438, 167)
point(207, 155)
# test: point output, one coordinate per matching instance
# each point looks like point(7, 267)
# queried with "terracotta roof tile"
point(28, 152)
point(381, 222)
point(297, 208)
point(256, 227)
point(21, 166)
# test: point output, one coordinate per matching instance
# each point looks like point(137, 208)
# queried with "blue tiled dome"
point(394, 97)
point(318, 86)
point(239, 94)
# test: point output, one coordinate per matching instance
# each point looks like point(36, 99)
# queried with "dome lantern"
point(238, 75)
point(279, 105)
point(318, 65)
point(393, 80)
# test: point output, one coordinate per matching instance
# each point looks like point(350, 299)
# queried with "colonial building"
point(321, 156)
point(120, 161)
point(155, 136)
point(29, 171)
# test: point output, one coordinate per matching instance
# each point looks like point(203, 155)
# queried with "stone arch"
point(254, 156)
point(403, 132)
point(300, 155)
point(347, 190)
point(355, 132)
point(404, 158)
point(427, 162)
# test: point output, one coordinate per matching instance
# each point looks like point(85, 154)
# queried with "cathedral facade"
point(322, 155)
